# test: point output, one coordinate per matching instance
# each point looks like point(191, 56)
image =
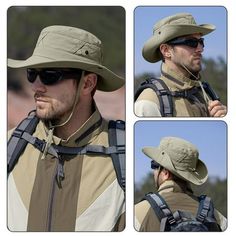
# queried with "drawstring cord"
point(205, 96)
point(52, 127)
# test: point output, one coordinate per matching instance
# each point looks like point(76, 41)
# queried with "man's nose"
point(38, 86)
point(200, 47)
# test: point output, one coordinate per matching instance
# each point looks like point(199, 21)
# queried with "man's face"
point(54, 102)
point(183, 55)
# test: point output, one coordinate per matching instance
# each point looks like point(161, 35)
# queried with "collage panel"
point(66, 112)
point(180, 58)
point(180, 176)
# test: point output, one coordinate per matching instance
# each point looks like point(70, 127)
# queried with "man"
point(65, 179)
point(177, 41)
point(176, 164)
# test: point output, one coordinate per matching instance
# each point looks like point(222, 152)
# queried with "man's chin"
point(196, 70)
point(43, 115)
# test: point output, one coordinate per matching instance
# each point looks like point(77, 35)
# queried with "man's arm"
point(147, 104)
point(145, 108)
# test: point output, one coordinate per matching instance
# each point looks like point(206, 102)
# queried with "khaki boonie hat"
point(180, 157)
point(169, 28)
point(69, 47)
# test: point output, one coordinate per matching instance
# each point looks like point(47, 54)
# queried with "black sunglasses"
point(190, 42)
point(51, 76)
point(154, 165)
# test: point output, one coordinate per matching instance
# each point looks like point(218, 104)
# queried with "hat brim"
point(107, 82)
point(151, 51)
point(197, 177)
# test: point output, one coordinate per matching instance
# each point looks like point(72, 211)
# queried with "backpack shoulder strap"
point(16, 144)
point(163, 94)
point(206, 215)
point(209, 90)
point(116, 136)
point(161, 209)
point(205, 209)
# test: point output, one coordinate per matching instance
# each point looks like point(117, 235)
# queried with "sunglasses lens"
point(193, 43)
point(50, 77)
point(201, 41)
point(32, 75)
point(154, 165)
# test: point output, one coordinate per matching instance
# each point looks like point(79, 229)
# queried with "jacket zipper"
point(58, 176)
point(51, 200)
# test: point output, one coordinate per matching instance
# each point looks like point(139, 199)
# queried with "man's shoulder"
point(148, 94)
point(141, 208)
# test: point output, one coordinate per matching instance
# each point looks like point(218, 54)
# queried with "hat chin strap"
point(73, 109)
point(52, 127)
point(205, 96)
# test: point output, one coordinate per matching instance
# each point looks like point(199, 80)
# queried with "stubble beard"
point(53, 111)
point(192, 66)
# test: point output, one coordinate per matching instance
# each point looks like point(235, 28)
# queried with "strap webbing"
point(56, 150)
point(16, 144)
point(160, 207)
point(116, 132)
point(164, 93)
point(205, 208)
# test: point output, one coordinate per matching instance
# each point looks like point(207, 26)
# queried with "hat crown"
point(183, 154)
point(178, 19)
point(71, 41)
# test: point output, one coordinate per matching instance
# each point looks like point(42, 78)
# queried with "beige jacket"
point(90, 198)
point(177, 198)
point(147, 104)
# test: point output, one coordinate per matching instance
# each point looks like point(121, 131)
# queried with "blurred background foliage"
point(214, 71)
point(215, 188)
point(106, 22)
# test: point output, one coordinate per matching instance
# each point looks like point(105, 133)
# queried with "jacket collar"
point(174, 186)
point(177, 80)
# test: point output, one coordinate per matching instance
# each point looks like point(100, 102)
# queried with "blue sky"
point(210, 137)
point(146, 17)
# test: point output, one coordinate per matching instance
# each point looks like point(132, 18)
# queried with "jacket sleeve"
point(147, 104)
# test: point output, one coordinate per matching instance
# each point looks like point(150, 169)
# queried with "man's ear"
point(89, 83)
point(167, 174)
point(165, 51)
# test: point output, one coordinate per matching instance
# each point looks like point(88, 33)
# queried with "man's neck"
point(177, 68)
point(79, 117)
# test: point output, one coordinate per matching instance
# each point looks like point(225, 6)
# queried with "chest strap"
point(58, 150)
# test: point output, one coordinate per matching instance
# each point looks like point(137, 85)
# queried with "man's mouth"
point(197, 57)
point(39, 98)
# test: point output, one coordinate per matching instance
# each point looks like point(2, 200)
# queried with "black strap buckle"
point(39, 144)
point(17, 133)
point(163, 92)
point(120, 148)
